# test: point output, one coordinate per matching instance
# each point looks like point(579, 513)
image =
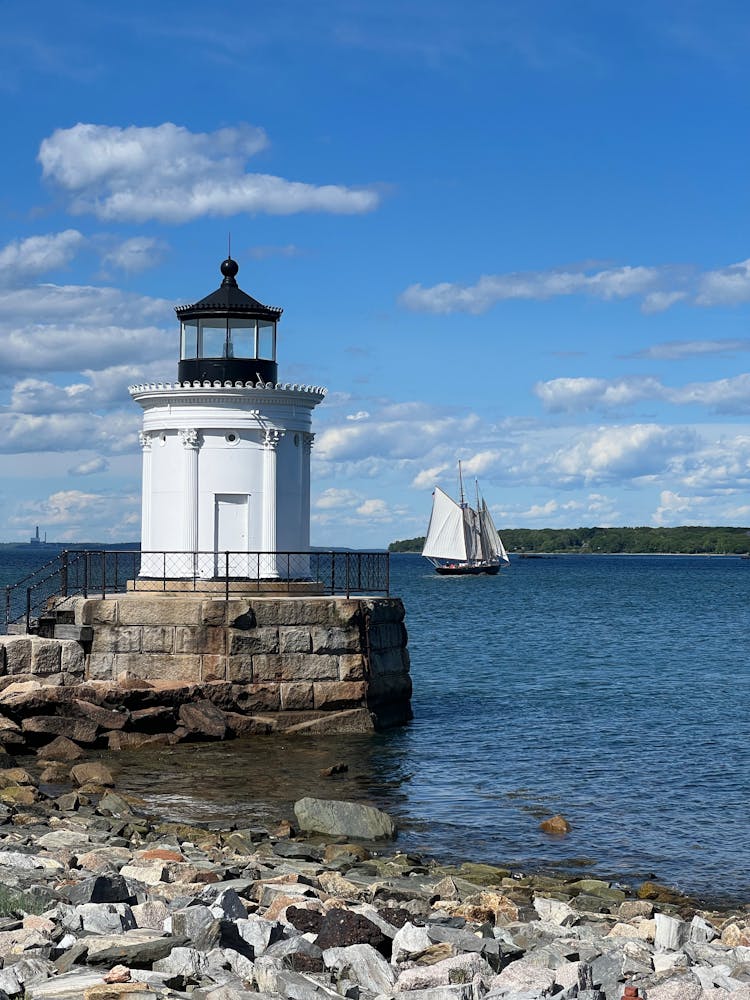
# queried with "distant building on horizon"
point(36, 540)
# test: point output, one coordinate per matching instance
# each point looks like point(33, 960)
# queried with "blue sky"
point(513, 233)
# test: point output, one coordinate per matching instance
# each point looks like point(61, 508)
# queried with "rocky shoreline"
point(100, 901)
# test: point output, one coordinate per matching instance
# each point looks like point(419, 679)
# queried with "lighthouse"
point(226, 448)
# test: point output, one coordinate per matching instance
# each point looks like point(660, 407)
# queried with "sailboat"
point(462, 541)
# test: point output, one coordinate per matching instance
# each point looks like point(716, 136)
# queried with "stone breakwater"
point(99, 901)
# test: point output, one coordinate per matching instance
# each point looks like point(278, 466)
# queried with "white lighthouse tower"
point(226, 448)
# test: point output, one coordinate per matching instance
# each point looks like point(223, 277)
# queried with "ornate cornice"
point(145, 439)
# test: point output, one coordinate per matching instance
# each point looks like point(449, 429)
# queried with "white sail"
point(492, 543)
point(446, 535)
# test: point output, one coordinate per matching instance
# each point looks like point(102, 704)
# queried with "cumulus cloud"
point(112, 433)
point(173, 175)
point(72, 327)
point(561, 395)
point(725, 286)
point(657, 288)
point(331, 499)
point(427, 478)
point(90, 467)
point(611, 283)
point(575, 395)
point(23, 260)
point(76, 515)
point(375, 509)
point(628, 452)
point(136, 254)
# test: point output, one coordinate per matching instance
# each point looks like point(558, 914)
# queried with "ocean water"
point(612, 689)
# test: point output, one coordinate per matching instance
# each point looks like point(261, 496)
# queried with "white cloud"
point(375, 509)
point(611, 283)
point(673, 508)
point(575, 395)
point(136, 254)
point(171, 174)
point(359, 415)
point(658, 288)
point(561, 395)
point(23, 260)
point(74, 515)
point(628, 452)
point(112, 433)
point(332, 499)
point(427, 478)
point(89, 468)
point(725, 286)
point(675, 350)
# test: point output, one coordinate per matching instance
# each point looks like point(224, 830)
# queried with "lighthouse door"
point(231, 522)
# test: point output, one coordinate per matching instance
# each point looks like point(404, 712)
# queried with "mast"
point(462, 499)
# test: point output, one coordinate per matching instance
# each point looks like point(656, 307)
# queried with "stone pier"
point(319, 664)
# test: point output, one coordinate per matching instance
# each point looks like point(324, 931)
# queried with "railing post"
point(333, 572)
point(104, 574)
point(7, 607)
point(387, 574)
point(288, 577)
point(117, 556)
point(359, 571)
point(226, 576)
point(347, 557)
point(64, 573)
point(164, 571)
point(86, 573)
point(28, 609)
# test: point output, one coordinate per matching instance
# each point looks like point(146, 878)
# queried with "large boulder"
point(343, 819)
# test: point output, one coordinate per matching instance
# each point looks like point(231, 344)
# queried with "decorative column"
point(307, 442)
point(271, 440)
point(146, 440)
point(191, 443)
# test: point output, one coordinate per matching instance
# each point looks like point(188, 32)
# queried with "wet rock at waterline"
point(344, 819)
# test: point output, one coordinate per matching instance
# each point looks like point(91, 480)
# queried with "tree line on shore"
point(686, 540)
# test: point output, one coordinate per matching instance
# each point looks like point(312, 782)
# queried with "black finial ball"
point(229, 268)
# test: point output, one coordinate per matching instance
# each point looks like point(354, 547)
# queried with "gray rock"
point(449, 972)
point(258, 933)
point(101, 889)
point(298, 986)
point(465, 941)
point(136, 947)
point(671, 933)
point(701, 931)
point(196, 924)
point(408, 941)
point(458, 992)
point(228, 905)
point(99, 918)
point(363, 964)
point(189, 963)
point(522, 977)
point(555, 911)
point(70, 986)
point(347, 819)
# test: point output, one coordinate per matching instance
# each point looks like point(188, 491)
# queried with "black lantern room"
point(228, 336)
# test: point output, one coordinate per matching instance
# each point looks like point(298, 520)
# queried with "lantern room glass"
point(266, 341)
point(189, 342)
point(213, 339)
point(241, 339)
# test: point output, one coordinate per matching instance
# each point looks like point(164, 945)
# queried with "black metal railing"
point(103, 572)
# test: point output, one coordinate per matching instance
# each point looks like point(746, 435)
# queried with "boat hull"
point(467, 570)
